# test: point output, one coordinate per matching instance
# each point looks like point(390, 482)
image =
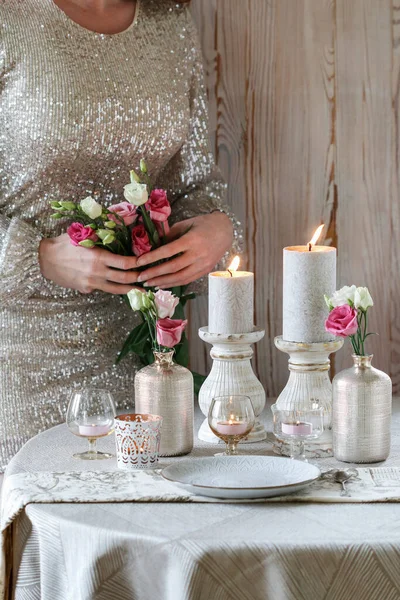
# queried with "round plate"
point(241, 476)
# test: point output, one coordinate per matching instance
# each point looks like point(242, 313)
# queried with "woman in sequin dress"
point(87, 88)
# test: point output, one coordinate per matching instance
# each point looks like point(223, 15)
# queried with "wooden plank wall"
point(304, 108)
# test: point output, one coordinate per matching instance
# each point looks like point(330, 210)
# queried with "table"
point(200, 551)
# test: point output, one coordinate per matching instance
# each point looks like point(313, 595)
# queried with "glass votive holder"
point(298, 426)
point(137, 439)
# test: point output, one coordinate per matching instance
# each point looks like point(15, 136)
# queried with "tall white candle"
point(231, 301)
point(309, 272)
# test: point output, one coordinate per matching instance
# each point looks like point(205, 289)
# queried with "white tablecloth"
point(200, 551)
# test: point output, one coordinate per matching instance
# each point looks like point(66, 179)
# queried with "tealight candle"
point(297, 428)
point(231, 427)
point(94, 429)
point(309, 272)
point(231, 300)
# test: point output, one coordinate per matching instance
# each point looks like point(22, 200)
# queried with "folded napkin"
point(380, 484)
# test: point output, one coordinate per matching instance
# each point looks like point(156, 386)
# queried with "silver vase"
point(166, 389)
point(362, 409)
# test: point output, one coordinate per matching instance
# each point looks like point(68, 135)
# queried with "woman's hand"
point(86, 269)
point(196, 252)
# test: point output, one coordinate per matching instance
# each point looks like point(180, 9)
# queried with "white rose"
point(362, 298)
point(136, 193)
point(91, 208)
point(136, 298)
point(343, 296)
point(166, 303)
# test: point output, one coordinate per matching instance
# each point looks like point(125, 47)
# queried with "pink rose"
point(165, 303)
point(140, 240)
point(169, 331)
point(79, 233)
point(158, 206)
point(125, 210)
point(342, 321)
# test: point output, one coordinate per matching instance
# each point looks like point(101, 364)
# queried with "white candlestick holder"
point(231, 374)
point(308, 386)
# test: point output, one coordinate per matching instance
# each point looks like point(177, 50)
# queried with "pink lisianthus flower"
point(124, 210)
point(166, 303)
point(169, 331)
point(140, 240)
point(342, 321)
point(158, 206)
point(79, 233)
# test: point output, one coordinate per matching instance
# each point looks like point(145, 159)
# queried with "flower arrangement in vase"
point(362, 395)
point(164, 388)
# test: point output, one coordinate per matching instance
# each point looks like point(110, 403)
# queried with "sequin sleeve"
point(20, 272)
point(194, 182)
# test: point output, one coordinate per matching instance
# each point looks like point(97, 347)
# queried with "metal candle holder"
point(231, 374)
point(308, 386)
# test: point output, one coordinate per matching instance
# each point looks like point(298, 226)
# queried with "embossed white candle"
point(309, 272)
point(231, 300)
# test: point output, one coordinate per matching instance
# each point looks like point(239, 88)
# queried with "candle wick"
point(230, 273)
point(310, 247)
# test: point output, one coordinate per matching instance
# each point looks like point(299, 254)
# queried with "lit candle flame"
point(315, 237)
point(234, 265)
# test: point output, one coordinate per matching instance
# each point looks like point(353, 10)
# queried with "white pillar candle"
point(230, 301)
point(309, 272)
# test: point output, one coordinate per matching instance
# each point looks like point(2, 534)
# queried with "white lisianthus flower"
point(343, 296)
point(136, 299)
point(165, 303)
point(136, 193)
point(91, 208)
point(363, 299)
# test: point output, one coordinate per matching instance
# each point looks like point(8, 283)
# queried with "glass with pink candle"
point(231, 418)
point(90, 414)
point(297, 427)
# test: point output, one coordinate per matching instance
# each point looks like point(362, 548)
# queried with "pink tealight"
point(93, 430)
point(297, 428)
point(231, 428)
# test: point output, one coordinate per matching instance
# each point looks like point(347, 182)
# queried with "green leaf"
point(135, 342)
point(185, 299)
point(182, 352)
point(179, 312)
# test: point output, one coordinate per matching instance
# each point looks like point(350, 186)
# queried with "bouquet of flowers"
point(349, 315)
point(132, 228)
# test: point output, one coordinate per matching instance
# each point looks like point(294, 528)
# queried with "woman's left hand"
point(196, 252)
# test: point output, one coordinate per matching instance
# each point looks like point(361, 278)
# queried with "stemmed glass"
point(231, 418)
point(90, 414)
point(297, 427)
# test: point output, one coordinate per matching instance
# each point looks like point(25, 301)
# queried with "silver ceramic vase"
point(362, 409)
point(166, 389)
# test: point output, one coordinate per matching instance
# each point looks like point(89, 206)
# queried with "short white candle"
point(231, 301)
point(297, 428)
point(232, 427)
point(94, 429)
point(309, 272)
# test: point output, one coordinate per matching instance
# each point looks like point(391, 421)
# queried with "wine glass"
point(90, 414)
point(231, 418)
point(298, 426)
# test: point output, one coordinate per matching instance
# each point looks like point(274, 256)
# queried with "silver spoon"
point(342, 477)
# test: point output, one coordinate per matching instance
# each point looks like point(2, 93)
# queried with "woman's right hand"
point(85, 269)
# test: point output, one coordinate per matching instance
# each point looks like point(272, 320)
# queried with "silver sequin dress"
point(77, 111)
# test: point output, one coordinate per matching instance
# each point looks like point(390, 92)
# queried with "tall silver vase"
point(362, 409)
point(166, 389)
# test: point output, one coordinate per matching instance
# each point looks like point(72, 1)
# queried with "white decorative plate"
point(241, 476)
